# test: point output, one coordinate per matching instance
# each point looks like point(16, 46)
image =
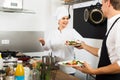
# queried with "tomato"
point(74, 62)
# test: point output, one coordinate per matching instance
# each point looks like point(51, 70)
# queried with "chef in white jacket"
point(55, 40)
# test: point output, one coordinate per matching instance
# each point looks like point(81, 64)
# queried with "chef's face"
point(64, 21)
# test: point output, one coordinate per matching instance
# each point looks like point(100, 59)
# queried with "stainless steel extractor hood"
point(15, 6)
point(12, 5)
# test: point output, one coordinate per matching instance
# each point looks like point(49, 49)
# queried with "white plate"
point(64, 63)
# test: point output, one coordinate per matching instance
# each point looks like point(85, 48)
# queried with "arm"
point(45, 42)
point(110, 69)
point(42, 41)
point(88, 48)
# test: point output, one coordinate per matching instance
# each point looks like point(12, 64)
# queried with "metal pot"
point(48, 60)
point(94, 14)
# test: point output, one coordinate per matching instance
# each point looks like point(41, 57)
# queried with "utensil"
point(74, 56)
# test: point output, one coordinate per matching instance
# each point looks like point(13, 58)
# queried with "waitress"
point(55, 40)
point(109, 63)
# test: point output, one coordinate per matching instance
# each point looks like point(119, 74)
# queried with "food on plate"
point(73, 62)
point(73, 43)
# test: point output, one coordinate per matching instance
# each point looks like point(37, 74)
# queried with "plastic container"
point(19, 73)
point(27, 73)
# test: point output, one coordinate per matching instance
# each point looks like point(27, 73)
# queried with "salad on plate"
point(71, 63)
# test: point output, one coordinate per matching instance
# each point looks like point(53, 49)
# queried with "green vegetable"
point(79, 62)
point(38, 65)
point(72, 42)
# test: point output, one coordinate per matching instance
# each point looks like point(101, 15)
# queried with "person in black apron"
point(104, 61)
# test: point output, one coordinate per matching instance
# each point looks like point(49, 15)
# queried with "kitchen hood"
point(13, 6)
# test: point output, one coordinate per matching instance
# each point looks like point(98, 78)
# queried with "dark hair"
point(115, 4)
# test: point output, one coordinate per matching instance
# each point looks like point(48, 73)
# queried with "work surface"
point(60, 75)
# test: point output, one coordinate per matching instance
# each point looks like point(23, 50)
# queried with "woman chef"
point(56, 39)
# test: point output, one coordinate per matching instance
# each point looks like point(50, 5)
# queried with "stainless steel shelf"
point(75, 2)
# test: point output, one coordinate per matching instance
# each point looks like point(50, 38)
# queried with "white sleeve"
point(118, 62)
point(117, 41)
point(47, 41)
point(99, 51)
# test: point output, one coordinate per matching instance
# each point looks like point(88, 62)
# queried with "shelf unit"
point(71, 2)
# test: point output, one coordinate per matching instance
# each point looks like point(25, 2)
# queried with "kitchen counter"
point(60, 75)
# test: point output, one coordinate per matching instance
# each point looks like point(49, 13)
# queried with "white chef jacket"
point(113, 40)
point(55, 41)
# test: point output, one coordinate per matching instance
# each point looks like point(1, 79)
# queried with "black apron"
point(104, 60)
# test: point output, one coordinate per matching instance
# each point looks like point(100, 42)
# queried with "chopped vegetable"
point(73, 62)
point(72, 42)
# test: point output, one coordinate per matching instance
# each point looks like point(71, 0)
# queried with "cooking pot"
point(50, 61)
point(94, 14)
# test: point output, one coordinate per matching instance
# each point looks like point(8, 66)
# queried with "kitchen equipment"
point(51, 61)
point(46, 59)
point(12, 5)
point(7, 54)
point(2, 75)
point(94, 14)
point(26, 58)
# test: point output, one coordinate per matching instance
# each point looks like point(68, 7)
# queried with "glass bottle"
point(47, 73)
point(35, 74)
point(10, 73)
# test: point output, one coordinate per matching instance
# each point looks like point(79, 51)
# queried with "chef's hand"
point(85, 68)
point(67, 43)
point(42, 41)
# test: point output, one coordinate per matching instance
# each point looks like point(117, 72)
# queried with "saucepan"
point(52, 61)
